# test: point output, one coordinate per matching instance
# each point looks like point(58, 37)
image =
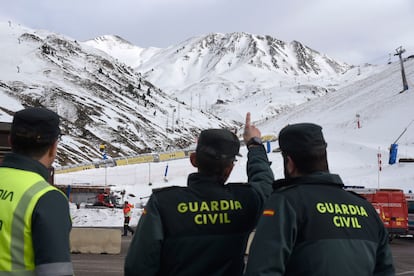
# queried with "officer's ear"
point(290, 167)
point(228, 170)
point(52, 152)
point(49, 156)
point(193, 159)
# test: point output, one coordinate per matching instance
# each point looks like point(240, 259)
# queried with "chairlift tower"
point(399, 52)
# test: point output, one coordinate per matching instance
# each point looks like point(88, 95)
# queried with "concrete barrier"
point(95, 240)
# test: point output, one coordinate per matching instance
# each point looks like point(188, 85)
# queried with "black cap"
point(35, 125)
point(301, 137)
point(218, 143)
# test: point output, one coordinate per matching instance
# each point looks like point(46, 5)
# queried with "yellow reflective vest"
point(19, 192)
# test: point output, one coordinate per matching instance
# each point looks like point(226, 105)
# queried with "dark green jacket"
point(201, 229)
point(311, 226)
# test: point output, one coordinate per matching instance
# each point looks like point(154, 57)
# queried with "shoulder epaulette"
point(238, 184)
point(163, 189)
point(284, 188)
point(355, 193)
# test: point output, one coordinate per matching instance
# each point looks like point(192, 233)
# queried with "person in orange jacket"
point(127, 217)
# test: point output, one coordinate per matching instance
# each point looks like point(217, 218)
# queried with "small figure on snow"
point(127, 216)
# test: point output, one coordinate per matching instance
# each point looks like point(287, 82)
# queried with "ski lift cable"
point(402, 133)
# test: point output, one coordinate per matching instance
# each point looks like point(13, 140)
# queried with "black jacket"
point(201, 229)
point(311, 226)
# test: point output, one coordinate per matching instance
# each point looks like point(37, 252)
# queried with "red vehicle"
point(103, 199)
point(108, 199)
point(410, 202)
point(391, 205)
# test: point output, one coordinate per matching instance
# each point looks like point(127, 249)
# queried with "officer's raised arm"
point(259, 173)
point(250, 131)
point(208, 216)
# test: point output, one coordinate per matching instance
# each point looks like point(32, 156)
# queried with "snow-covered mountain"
point(213, 70)
point(138, 100)
point(123, 50)
point(100, 99)
point(359, 153)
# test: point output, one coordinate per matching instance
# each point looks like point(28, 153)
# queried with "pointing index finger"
point(248, 120)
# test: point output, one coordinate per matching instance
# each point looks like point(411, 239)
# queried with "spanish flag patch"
point(269, 212)
point(144, 212)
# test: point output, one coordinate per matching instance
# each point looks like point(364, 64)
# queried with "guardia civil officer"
point(34, 216)
point(310, 224)
point(202, 229)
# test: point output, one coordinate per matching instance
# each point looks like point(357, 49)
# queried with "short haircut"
point(30, 149)
point(309, 161)
point(211, 166)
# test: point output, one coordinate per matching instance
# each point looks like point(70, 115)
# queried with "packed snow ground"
point(384, 114)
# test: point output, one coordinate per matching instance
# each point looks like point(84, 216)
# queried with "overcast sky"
point(353, 31)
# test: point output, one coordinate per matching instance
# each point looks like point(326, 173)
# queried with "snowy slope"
point(98, 107)
point(100, 99)
point(208, 71)
point(123, 50)
point(352, 152)
point(384, 114)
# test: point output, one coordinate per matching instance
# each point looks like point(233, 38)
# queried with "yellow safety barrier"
point(172, 155)
point(75, 169)
point(135, 160)
point(269, 137)
point(128, 161)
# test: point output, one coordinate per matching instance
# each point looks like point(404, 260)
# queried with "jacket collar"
point(317, 178)
point(197, 179)
point(21, 162)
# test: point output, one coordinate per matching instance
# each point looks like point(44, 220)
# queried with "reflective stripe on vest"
point(17, 185)
point(17, 241)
